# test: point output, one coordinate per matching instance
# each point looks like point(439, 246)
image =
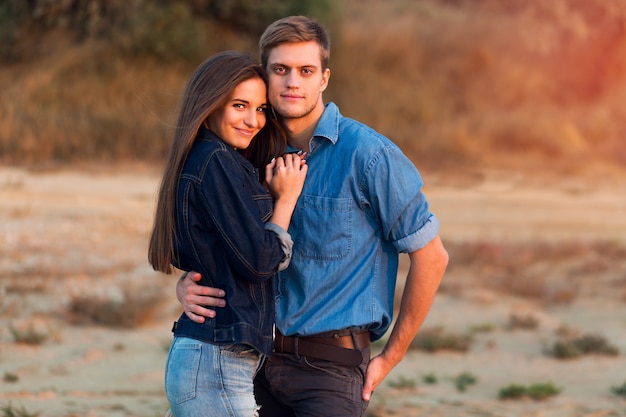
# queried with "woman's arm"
point(285, 178)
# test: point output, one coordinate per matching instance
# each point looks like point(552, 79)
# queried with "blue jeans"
point(204, 380)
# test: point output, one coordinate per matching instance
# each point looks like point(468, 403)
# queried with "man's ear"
point(325, 79)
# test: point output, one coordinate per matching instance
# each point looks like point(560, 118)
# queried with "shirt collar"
point(328, 125)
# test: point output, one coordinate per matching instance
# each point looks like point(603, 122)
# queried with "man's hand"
point(425, 273)
point(377, 370)
point(195, 298)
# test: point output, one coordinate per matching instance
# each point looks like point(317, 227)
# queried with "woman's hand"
point(285, 177)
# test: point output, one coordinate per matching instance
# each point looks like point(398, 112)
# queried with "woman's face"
point(243, 115)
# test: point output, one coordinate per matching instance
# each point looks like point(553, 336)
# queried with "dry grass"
point(550, 273)
point(127, 308)
point(9, 410)
point(619, 390)
point(458, 82)
point(586, 344)
point(435, 339)
point(106, 110)
point(29, 336)
point(537, 392)
point(523, 321)
point(453, 83)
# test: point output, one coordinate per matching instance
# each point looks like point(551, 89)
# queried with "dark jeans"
point(297, 386)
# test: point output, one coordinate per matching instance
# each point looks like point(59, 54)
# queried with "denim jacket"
point(221, 232)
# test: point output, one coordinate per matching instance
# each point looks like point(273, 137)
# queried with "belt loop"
point(282, 342)
point(355, 340)
point(295, 347)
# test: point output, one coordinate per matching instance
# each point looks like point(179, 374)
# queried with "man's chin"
point(290, 112)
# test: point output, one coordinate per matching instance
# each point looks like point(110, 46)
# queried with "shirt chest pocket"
point(324, 227)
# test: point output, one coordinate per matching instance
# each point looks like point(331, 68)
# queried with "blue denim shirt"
point(221, 232)
point(361, 205)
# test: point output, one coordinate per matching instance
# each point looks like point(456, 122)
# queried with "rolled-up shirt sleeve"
point(394, 189)
point(420, 238)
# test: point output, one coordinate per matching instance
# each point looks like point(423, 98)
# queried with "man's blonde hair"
point(295, 29)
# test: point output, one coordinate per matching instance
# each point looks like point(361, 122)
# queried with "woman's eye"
point(238, 106)
point(262, 109)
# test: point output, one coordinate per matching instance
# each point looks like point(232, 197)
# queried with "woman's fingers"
point(290, 160)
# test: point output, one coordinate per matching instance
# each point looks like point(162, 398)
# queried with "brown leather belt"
point(335, 348)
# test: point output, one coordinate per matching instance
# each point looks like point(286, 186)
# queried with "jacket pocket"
point(324, 228)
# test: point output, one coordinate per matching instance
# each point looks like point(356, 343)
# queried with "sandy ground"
point(73, 270)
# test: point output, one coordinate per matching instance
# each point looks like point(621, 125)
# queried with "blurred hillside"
point(528, 84)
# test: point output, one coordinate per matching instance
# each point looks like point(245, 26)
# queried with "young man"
point(361, 205)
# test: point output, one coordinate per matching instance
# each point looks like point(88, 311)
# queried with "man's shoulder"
point(348, 126)
point(362, 136)
point(352, 136)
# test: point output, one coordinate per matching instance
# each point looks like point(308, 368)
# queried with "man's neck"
point(299, 131)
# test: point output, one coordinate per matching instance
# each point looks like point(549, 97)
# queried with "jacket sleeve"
point(239, 212)
point(286, 243)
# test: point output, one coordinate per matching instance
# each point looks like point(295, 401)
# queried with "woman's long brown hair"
point(209, 89)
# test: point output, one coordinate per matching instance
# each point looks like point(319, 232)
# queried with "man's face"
point(296, 79)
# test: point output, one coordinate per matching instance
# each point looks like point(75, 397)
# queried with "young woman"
point(214, 216)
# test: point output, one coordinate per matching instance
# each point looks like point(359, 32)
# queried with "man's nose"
point(292, 79)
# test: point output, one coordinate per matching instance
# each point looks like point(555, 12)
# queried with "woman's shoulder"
point(205, 156)
point(205, 149)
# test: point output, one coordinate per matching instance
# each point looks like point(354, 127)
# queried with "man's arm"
point(427, 266)
point(195, 298)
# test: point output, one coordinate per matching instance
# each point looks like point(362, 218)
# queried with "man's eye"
point(279, 70)
point(307, 71)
